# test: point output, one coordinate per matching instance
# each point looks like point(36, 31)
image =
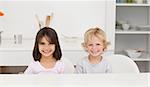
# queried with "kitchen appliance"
point(18, 38)
point(0, 37)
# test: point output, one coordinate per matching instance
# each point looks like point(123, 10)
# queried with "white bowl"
point(133, 53)
point(125, 26)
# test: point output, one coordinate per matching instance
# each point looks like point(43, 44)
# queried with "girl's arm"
point(29, 69)
point(62, 69)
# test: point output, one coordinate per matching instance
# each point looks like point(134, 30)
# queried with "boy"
point(95, 44)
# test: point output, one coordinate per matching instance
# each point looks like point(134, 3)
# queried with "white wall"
point(71, 18)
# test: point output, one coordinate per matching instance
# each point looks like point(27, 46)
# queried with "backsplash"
point(70, 18)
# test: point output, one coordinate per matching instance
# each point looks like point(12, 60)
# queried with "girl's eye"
point(41, 43)
point(51, 44)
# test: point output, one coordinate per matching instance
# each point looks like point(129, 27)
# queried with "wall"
point(71, 18)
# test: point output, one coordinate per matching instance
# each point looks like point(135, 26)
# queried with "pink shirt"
point(36, 68)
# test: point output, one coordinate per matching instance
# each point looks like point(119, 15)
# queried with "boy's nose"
point(94, 47)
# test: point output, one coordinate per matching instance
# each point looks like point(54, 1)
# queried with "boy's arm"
point(79, 68)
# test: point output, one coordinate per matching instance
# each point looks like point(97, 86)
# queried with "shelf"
point(131, 32)
point(134, 4)
point(141, 59)
point(144, 57)
point(137, 15)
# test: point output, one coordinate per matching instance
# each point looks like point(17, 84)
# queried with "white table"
point(75, 80)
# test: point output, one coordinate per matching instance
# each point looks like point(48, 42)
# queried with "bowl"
point(133, 53)
point(125, 26)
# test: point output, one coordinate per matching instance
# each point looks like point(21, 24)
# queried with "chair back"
point(68, 66)
point(122, 64)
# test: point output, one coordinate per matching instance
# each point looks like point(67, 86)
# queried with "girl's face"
point(95, 47)
point(45, 48)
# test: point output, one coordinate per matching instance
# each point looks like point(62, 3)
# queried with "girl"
point(94, 43)
point(47, 54)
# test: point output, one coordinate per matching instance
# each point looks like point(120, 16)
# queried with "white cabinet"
point(70, 18)
point(15, 57)
point(137, 16)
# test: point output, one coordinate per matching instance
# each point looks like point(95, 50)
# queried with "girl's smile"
point(45, 48)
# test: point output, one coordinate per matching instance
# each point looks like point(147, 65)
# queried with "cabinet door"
point(15, 58)
point(149, 44)
point(110, 23)
point(71, 18)
point(74, 55)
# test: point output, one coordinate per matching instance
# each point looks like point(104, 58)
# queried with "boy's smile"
point(95, 46)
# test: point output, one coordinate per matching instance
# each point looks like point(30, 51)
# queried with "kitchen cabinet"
point(137, 16)
point(70, 18)
point(76, 17)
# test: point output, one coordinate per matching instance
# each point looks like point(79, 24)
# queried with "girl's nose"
point(46, 46)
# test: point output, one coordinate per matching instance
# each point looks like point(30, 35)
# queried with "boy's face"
point(45, 48)
point(95, 47)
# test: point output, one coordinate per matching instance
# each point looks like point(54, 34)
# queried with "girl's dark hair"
point(52, 38)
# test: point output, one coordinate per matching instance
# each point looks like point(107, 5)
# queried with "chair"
point(69, 67)
point(122, 64)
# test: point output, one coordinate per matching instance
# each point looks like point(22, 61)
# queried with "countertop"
point(21, 54)
point(75, 80)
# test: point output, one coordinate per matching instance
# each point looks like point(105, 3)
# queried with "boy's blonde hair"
point(99, 33)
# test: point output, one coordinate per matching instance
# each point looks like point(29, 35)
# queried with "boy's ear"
point(84, 46)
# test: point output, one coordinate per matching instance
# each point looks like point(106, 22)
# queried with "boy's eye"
point(90, 44)
point(98, 44)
